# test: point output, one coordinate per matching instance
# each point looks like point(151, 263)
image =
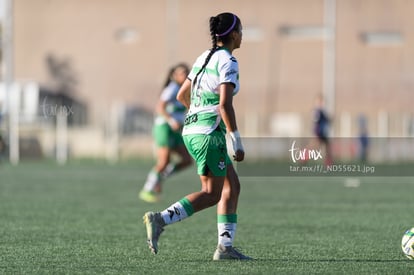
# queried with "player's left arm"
point(229, 118)
point(226, 106)
point(229, 73)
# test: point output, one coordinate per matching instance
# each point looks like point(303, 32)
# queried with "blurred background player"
point(321, 128)
point(208, 92)
point(363, 137)
point(169, 120)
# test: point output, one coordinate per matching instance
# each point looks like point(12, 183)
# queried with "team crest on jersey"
point(222, 164)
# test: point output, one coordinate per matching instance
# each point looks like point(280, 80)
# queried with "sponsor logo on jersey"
point(231, 72)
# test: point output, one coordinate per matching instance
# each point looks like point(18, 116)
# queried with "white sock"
point(226, 233)
point(174, 213)
point(169, 170)
point(153, 179)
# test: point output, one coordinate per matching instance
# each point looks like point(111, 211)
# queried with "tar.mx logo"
point(55, 109)
point(298, 154)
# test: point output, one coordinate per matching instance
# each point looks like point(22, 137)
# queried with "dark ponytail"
point(169, 76)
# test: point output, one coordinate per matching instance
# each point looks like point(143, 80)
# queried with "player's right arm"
point(184, 94)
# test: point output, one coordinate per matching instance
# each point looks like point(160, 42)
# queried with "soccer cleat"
point(149, 196)
point(155, 226)
point(228, 253)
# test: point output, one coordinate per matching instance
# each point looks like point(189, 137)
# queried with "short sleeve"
point(169, 93)
point(229, 72)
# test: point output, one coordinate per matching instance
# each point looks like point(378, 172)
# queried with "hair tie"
point(230, 29)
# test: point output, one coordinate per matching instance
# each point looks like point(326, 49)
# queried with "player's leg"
point(209, 195)
point(227, 218)
point(230, 194)
point(212, 170)
point(152, 187)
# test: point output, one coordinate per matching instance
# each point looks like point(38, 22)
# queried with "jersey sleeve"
point(168, 94)
point(229, 72)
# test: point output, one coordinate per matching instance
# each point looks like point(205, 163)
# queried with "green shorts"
point(209, 152)
point(165, 137)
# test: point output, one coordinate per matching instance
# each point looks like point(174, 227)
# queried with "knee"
point(231, 190)
point(212, 198)
point(232, 186)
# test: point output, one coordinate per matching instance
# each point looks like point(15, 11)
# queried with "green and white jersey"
point(174, 108)
point(203, 116)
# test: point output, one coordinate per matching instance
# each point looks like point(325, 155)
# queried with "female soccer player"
point(321, 128)
point(208, 93)
point(167, 135)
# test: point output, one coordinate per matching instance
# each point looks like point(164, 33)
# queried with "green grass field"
point(85, 218)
